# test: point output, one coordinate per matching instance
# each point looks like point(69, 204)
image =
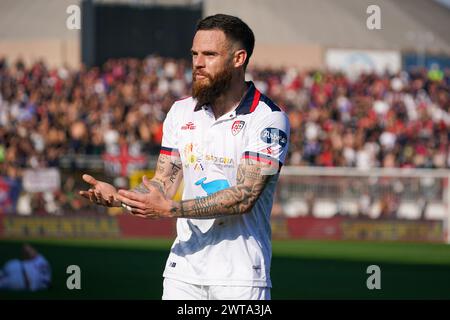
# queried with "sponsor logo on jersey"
point(237, 127)
point(188, 126)
point(274, 135)
point(193, 156)
point(212, 186)
point(195, 159)
point(225, 161)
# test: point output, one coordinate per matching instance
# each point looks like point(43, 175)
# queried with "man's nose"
point(199, 61)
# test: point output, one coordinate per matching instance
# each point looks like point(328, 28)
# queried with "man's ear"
point(240, 56)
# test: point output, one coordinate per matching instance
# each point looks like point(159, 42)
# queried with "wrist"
point(175, 209)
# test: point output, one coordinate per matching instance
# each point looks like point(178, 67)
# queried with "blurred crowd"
point(399, 120)
point(46, 113)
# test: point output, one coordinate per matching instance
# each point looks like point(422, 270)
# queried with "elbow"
point(247, 206)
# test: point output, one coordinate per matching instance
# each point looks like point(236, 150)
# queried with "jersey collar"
point(250, 100)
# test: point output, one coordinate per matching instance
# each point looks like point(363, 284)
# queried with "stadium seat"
point(349, 207)
point(375, 210)
point(435, 210)
point(324, 208)
point(295, 208)
point(409, 210)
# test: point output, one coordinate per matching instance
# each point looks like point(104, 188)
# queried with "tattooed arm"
point(250, 182)
point(168, 176)
point(239, 199)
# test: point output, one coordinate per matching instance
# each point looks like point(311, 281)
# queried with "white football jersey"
point(227, 250)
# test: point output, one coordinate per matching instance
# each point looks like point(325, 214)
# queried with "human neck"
point(229, 99)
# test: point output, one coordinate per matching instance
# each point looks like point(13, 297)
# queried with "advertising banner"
point(355, 62)
point(42, 180)
point(312, 228)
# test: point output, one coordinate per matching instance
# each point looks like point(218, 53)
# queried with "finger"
point(132, 195)
point(110, 200)
point(140, 215)
point(84, 194)
point(98, 196)
point(101, 199)
point(136, 211)
point(89, 179)
point(91, 195)
point(131, 203)
point(102, 202)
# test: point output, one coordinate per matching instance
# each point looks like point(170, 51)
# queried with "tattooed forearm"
point(158, 184)
point(140, 188)
point(167, 175)
point(201, 206)
point(143, 189)
point(231, 201)
point(174, 171)
point(234, 200)
point(161, 164)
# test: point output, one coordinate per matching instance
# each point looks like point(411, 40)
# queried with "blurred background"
point(85, 87)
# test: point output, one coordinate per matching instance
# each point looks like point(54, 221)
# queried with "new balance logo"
point(188, 126)
point(172, 264)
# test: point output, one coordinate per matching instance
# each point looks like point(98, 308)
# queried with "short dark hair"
point(234, 28)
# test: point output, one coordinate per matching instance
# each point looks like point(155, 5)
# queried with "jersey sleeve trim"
point(170, 151)
point(260, 157)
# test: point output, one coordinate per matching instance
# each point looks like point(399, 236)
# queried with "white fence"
point(378, 193)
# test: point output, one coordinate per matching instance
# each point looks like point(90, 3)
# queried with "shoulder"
point(269, 110)
point(181, 107)
point(268, 105)
point(184, 103)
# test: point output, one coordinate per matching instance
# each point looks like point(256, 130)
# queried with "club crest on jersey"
point(237, 127)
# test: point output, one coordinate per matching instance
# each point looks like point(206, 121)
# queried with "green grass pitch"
point(132, 269)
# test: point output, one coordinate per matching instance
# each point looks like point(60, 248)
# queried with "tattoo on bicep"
point(174, 171)
point(240, 175)
point(161, 163)
point(253, 174)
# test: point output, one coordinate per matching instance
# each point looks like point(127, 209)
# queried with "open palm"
point(100, 192)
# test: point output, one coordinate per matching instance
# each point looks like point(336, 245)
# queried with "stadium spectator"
point(389, 120)
point(45, 114)
point(30, 273)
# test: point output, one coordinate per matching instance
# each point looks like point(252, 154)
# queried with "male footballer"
point(228, 142)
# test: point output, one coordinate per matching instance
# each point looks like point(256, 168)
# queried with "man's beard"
point(207, 93)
